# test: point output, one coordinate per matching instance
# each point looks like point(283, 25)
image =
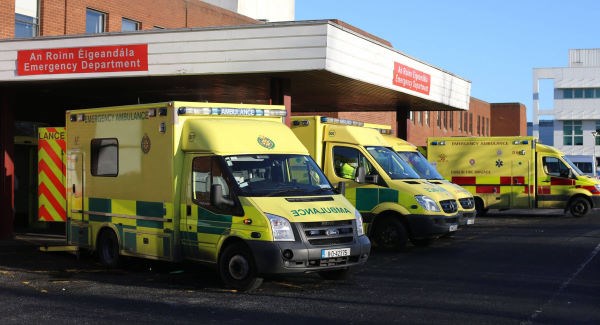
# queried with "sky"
point(493, 44)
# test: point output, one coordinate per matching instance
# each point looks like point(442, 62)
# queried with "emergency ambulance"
point(514, 173)
point(410, 154)
point(396, 204)
point(225, 184)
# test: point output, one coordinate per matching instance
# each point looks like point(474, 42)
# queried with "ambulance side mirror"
point(216, 197)
point(360, 174)
point(341, 188)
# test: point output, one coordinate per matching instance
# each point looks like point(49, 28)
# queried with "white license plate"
point(470, 221)
point(453, 228)
point(329, 253)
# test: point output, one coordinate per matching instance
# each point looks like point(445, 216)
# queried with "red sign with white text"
point(113, 58)
point(413, 79)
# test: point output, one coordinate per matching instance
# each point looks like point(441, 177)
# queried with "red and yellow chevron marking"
point(52, 200)
point(492, 184)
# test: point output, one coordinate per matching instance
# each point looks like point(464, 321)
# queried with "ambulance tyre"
point(340, 274)
point(390, 234)
point(108, 248)
point(237, 268)
point(480, 211)
point(579, 207)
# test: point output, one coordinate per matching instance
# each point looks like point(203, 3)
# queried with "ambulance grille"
point(467, 203)
point(449, 206)
point(328, 232)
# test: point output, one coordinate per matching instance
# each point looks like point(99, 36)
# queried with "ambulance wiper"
point(287, 191)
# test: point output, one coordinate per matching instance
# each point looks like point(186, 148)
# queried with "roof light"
point(385, 131)
point(438, 143)
point(230, 111)
point(333, 120)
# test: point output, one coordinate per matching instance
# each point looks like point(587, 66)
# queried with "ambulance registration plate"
point(470, 221)
point(453, 228)
point(331, 253)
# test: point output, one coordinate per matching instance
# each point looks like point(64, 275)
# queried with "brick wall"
point(509, 119)
point(68, 17)
point(474, 122)
point(7, 19)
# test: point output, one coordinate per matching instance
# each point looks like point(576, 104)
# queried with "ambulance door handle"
point(73, 188)
point(188, 210)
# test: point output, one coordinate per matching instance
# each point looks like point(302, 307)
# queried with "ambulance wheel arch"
point(390, 231)
point(579, 206)
point(237, 266)
point(108, 247)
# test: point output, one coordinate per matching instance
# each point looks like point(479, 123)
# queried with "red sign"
point(114, 58)
point(413, 79)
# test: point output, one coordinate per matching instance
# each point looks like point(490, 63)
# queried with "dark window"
point(104, 157)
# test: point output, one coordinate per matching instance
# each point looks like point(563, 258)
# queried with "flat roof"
point(328, 67)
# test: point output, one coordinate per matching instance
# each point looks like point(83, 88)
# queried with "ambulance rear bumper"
point(425, 226)
point(300, 257)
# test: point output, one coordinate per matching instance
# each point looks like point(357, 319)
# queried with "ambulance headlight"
point(281, 227)
point(427, 203)
point(597, 186)
point(359, 223)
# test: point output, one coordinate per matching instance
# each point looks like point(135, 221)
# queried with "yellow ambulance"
point(514, 173)
point(410, 154)
point(225, 184)
point(396, 204)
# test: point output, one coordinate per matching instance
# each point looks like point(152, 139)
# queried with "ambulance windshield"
point(277, 175)
point(420, 165)
point(393, 165)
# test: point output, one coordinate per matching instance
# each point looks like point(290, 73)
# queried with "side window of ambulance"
point(346, 160)
point(206, 171)
point(554, 167)
point(104, 157)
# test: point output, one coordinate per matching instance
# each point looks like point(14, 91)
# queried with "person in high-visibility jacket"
point(347, 170)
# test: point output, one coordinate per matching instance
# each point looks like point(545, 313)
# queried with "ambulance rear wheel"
point(579, 207)
point(237, 268)
point(108, 248)
point(390, 234)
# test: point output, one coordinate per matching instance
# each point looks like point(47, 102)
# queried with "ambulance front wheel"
point(579, 207)
point(108, 248)
point(237, 268)
point(390, 234)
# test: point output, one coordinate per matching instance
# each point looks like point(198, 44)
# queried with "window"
point(202, 169)
point(439, 119)
point(471, 123)
point(554, 167)
point(26, 18)
point(588, 92)
point(427, 121)
point(567, 93)
point(419, 120)
point(597, 137)
point(411, 116)
point(25, 26)
point(572, 133)
point(478, 125)
point(451, 120)
point(346, 160)
point(104, 157)
point(95, 22)
point(460, 120)
point(445, 119)
point(128, 25)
